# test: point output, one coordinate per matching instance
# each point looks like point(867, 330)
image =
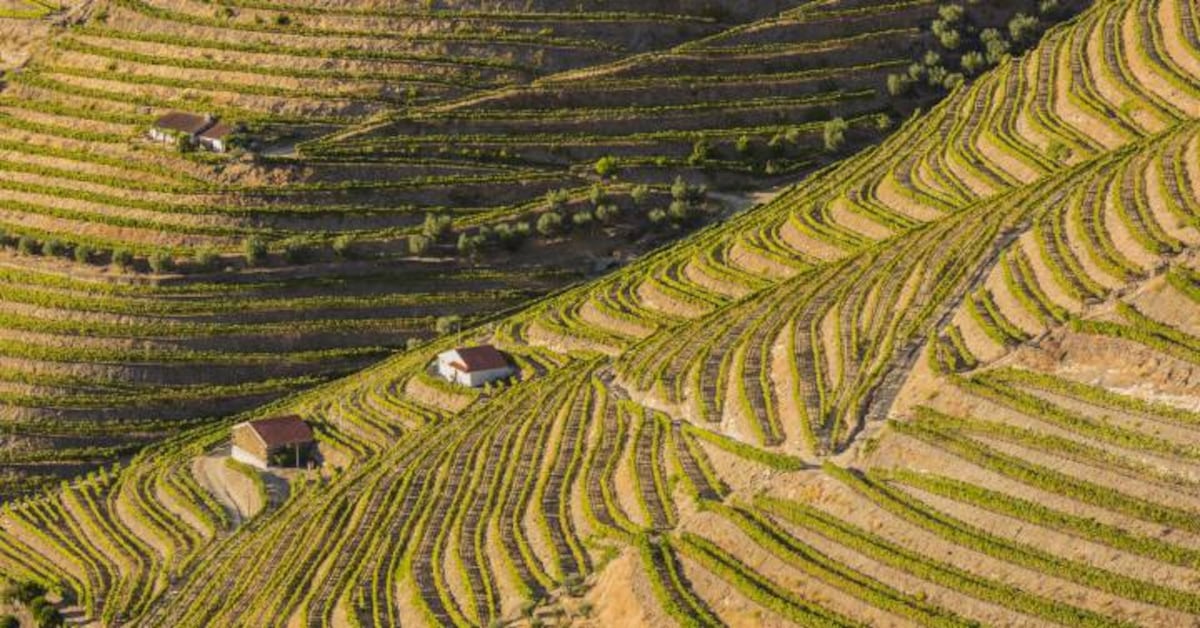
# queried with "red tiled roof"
point(284, 430)
point(481, 358)
point(217, 131)
point(183, 122)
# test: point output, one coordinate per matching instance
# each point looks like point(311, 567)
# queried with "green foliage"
point(1023, 28)
point(436, 226)
point(640, 194)
point(418, 244)
point(122, 258)
point(343, 246)
point(608, 214)
point(995, 46)
point(835, 134)
point(556, 200)
point(446, 324)
point(160, 262)
point(899, 84)
point(606, 166)
point(973, 62)
point(27, 246)
point(254, 249)
point(82, 253)
point(700, 152)
point(205, 258)
point(23, 592)
point(549, 224)
point(53, 247)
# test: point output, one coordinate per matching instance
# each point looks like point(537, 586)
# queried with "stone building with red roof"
point(284, 441)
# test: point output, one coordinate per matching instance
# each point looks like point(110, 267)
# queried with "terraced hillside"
point(147, 289)
point(948, 381)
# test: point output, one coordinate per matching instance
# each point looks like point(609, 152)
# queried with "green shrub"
point(743, 145)
point(343, 246)
point(122, 258)
point(27, 246)
point(582, 219)
point(549, 224)
point(973, 62)
point(82, 253)
point(835, 134)
point(995, 47)
point(1023, 28)
point(446, 324)
point(205, 258)
point(254, 250)
point(9, 621)
point(53, 248)
point(160, 262)
point(606, 166)
point(557, 199)
point(23, 592)
point(436, 226)
point(898, 84)
point(608, 214)
point(418, 244)
point(700, 152)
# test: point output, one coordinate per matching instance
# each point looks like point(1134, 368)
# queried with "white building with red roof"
point(474, 366)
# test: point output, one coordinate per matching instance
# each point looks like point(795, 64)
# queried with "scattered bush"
point(743, 145)
point(446, 324)
point(343, 246)
point(640, 193)
point(700, 152)
point(606, 166)
point(995, 47)
point(557, 199)
point(973, 62)
point(82, 253)
point(582, 219)
point(549, 224)
point(835, 134)
point(22, 592)
point(1023, 28)
point(27, 246)
point(254, 250)
point(53, 248)
point(608, 214)
point(436, 226)
point(206, 258)
point(597, 195)
point(418, 244)
point(898, 84)
point(160, 262)
point(122, 258)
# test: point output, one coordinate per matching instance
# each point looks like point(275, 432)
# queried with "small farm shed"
point(175, 124)
point(276, 442)
point(474, 366)
point(216, 137)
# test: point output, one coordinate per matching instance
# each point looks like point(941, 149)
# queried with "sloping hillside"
point(397, 168)
point(949, 381)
